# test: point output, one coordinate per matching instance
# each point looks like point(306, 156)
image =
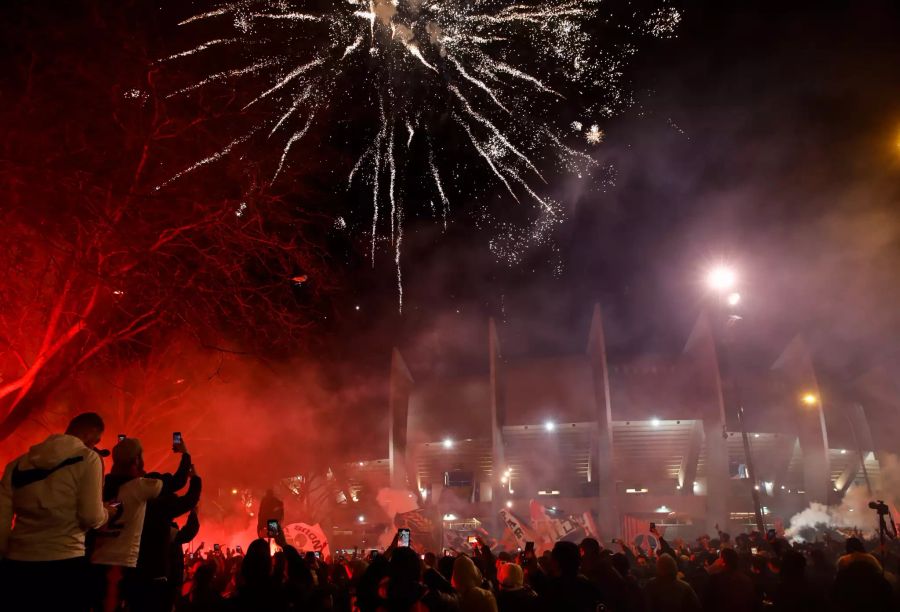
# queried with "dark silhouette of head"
point(620, 564)
point(567, 558)
point(590, 548)
point(257, 565)
point(793, 566)
point(87, 427)
point(729, 558)
point(854, 545)
point(445, 566)
point(405, 566)
point(666, 567)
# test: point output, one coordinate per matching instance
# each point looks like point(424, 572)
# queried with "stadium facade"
point(650, 440)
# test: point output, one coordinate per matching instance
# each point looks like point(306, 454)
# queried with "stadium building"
point(647, 440)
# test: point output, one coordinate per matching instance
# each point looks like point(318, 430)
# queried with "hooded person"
point(54, 494)
point(668, 593)
point(467, 582)
point(514, 595)
point(116, 545)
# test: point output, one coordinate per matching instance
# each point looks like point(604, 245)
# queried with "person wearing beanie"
point(667, 592)
point(117, 544)
point(514, 595)
point(467, 582)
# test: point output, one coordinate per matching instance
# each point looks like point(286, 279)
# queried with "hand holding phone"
point(403, 538)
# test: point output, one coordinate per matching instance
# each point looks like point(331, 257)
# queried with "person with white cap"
point(117, 544)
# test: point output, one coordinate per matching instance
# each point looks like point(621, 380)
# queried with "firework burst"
point(494, 77)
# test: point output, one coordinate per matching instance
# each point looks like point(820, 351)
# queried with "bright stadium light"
point(655, 422)
point(550, 426)
point(733, 298)
point(809, 399)
point(721, 278)
point(448, 443)
point(361, 518)
point(450, 517)
point(509, 503)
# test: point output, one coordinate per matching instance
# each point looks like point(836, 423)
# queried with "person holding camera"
point(152, 588)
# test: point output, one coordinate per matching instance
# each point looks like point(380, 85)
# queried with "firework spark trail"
point(290, 16)
point(494, 130)
point(486, 156)
point(199, 48)
point(208, 160)
point(437, 182)
point(392, 170)
point(293, 109)
point(284, 81)
point(504, 67)
point(294, 138)
point(225, 75)
point(441, 58)
point(214, 13)
point(479, 84)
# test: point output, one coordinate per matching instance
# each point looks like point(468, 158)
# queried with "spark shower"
point(524, 86)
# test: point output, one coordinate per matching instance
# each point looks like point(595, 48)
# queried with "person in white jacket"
point(49, 498)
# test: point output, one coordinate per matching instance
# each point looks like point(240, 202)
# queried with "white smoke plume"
point(853, 513)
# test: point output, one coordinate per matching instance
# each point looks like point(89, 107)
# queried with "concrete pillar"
point(795, 365)
point(602, 464)
point(701, 362)
point(858, 424)
point(398, 416)
point(498, 418)
point(687, 472)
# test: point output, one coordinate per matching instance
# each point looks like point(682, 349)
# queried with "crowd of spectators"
point(72, 540)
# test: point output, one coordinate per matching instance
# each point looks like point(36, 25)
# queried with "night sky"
point(765, 136)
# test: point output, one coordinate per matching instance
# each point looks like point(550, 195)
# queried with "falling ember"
point(594, 135)
point(421, 60)
point(299, 280)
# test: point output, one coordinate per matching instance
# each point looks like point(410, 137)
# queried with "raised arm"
point(179, 505)
point(190, 529)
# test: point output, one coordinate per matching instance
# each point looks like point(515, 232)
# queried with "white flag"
point(305, 537)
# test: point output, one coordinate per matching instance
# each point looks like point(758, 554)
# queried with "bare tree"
point(99, 263)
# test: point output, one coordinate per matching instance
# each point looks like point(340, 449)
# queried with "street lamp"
point(721, 278)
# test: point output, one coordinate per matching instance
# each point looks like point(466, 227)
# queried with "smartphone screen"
point(472, 539)
point(754, 550)
point(216, 547)
point(318, 554)
point(403, 537)
point(176, 440)
point(239, 549)
point(121, 437)
point(272, 526)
